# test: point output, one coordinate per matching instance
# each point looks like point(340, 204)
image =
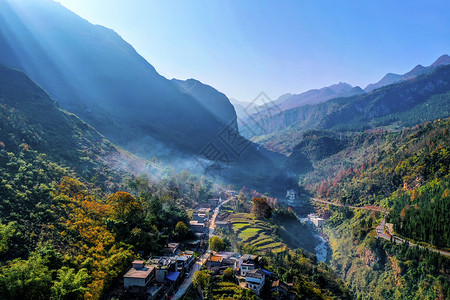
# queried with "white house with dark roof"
point(255, 279)
point(247, 263)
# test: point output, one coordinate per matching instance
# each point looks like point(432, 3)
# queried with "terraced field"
point(255, 233)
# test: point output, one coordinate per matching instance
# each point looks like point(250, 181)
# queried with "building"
point(173, 248)
point(197, 227)
point(184, 261)
point(318, 222)
point(284, 290)
point(204, 210)
point(163, 266)
point(291, 194)
point(255, 279)
point(214, 261)
point(247, 263)
point(223, 224)
point(200, 217)
point(140, 275)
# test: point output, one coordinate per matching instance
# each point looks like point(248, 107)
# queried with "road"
point(381, 229)
point(184, 287)
point(372, 207)
point(382, 233)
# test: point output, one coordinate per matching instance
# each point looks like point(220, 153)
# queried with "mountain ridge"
point(418, 70)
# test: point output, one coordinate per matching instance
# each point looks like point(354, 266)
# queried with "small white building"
point(318, 222)
point(291, 195)
point(255, 280)
point(247, 263)
point(140, 275)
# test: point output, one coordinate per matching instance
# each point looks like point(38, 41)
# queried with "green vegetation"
point(406, 172)
point(420, 215)
point(261, 209)
point(377, 269)
point(216, 244)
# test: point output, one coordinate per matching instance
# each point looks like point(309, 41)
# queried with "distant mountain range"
point(418, 70)
point(406, 103)
point(290, 101)
point(342, 89)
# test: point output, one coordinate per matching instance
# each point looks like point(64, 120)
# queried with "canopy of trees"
point(261, 208)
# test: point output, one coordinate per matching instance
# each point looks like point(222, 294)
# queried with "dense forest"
point(377, 269)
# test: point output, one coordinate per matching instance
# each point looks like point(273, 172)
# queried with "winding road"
point(381, 229)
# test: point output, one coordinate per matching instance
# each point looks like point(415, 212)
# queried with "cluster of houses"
point(249, 273)
point(159, 275)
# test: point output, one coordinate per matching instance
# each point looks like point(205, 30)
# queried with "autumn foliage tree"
point(124, 206)
point(261, 208)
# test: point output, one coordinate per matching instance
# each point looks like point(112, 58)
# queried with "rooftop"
point(139, 273)
point(255, 274)
point(282, 285)
point(196, 223)
point(216, 258)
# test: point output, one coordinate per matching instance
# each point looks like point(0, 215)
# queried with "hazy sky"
point(245, 47)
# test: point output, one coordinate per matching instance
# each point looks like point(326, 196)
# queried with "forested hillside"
point(62, 235)
point(30, 119)
point(407, 173)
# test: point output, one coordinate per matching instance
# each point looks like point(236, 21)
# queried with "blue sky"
point(245, 47)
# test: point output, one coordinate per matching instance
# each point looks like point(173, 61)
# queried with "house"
point(197, 227)
point(255, 279)
point(284, 290)
point(173, 248)
point(199, 217)
point(204, 210)
point(223, 224)
point(163, 266)
point(291, 195)
point(214, 261)
point(184, 260)
point(140, 275)
point(247, 262)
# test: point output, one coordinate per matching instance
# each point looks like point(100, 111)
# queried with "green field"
point(255, 233)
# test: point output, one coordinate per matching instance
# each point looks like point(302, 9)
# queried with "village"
point(170, 276)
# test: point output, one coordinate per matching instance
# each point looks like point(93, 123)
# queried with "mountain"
point(406, 103)
point(341, 89)
point(418, 70)
point(211, 99)
point(31, 119)
point(92, 72)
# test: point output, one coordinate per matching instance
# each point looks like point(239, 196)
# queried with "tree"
point(261, 208)
point(240, 203)
point(124, 206)
point(216, 243)
point(201, 279)
point(6, 232)
point(228, 274)
point(181, 230)
point(70, 284)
